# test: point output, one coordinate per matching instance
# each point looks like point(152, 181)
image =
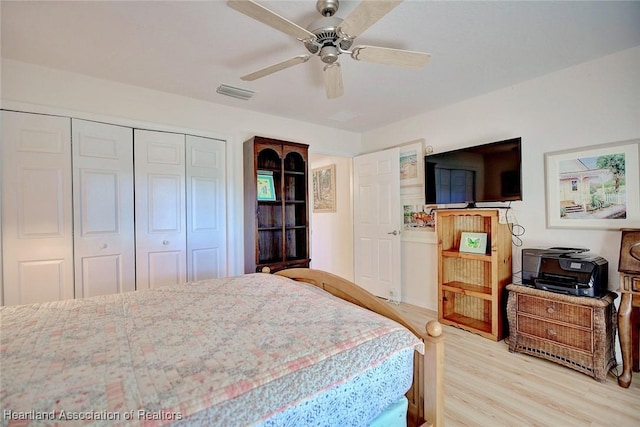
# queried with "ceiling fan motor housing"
point(327, 44)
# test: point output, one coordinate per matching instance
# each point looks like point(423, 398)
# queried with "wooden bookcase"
point(276, 232)
point(471, 285)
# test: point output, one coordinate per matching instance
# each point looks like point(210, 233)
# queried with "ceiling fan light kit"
point(329, 37)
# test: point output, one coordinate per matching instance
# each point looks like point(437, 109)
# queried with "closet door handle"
point(394, 232)
point(104, 246)
point(165, 242)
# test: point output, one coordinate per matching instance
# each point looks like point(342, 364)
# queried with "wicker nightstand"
point(576, 332)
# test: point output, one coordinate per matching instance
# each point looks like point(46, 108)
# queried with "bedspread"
point(240, 348)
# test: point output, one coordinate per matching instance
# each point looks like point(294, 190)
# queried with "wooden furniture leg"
point(635, 332)
point(625, 336)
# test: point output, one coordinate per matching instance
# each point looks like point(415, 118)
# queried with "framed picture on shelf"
point(594, 187)
point(324, 189)
point(266, 190)
point(475, 243)
point(412, 164)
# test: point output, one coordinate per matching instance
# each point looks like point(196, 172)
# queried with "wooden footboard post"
point(433, 376)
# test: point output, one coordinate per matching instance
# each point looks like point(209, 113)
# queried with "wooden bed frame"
point(426, 395)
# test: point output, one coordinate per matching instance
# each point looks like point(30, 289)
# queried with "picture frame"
point(412, 164)
point(416, 216)
point(324, 189)
point(475, 243)
point(595, 187)
point(266, 190)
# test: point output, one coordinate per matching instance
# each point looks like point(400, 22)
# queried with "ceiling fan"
point(329, 37)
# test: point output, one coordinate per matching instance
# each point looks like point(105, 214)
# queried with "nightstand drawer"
point(570, 336)
point(555, 310)
point(629, 283)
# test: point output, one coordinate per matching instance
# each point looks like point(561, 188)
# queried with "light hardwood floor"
point(486, 385)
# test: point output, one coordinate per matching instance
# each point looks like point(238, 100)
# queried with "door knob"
point(104, 246)
point(394, 232)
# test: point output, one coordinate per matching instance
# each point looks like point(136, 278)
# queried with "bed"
point(257, 349)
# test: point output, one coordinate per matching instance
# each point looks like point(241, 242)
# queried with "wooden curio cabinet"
point(276, 228)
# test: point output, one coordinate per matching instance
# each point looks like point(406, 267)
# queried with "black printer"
point(565, 270)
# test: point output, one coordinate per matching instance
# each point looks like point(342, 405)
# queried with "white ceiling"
point(189, 48)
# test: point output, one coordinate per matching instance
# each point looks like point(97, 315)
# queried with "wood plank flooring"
point(486, 385)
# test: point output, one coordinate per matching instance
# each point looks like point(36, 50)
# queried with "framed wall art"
point(412, 164)
point(324, 189)
point(416, 215)
point(594, 187)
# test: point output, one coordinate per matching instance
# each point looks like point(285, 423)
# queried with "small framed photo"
point(266, 189)
point(475, 243)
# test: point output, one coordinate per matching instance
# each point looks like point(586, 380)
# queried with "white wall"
point(592, 103)
point(331, 232)
point(26, 87)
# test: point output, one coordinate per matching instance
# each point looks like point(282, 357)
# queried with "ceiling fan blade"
point(270, 18)
point(333, 80)
point(366, 13)
point(275, 67)
point(388, 56)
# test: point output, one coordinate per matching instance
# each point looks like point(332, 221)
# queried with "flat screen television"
point(482, 173)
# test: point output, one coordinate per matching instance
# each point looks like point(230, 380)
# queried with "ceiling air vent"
point(235, 92)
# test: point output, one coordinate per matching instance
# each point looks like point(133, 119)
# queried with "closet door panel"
point(206, 212)
point(160, 208)
point(103, 208)
point(37, 241)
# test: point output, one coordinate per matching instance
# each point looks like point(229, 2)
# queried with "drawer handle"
point(551, 332)
point(551, 310)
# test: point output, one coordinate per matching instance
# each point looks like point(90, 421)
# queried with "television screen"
point(483, 173)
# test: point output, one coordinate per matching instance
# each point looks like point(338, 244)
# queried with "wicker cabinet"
point(471, 285)
point(576, 332)
point(276, 221)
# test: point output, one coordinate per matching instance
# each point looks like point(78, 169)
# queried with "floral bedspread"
point(230, 351)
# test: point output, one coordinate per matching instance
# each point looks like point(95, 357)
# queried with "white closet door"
point(37, 242)
point(103, 208)
point(159, 208)
point(206, 198)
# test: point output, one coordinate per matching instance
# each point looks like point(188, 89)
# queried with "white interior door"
point(36, 208)
point(377, 223)
point(206, 201)
point(103, 208)
point(160, 208)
